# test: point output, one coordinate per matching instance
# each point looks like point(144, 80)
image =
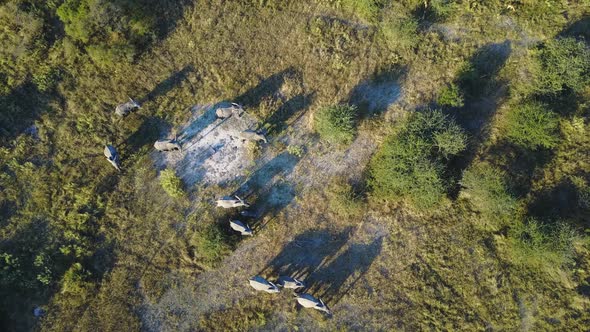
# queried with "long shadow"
point(520, 165)
point(288, 113)
point(561, 202)
point(168, 84)
point(346, 270)
point(281, 165)
point(19, 110)
point(307, 252)
point(147, 133)
point(20, 289)
point(374, 95)
point(268, 87)
point(483, 94)
point(578, 29)
point(203, 121)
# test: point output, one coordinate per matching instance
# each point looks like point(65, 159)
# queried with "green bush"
point(367, 9)
point(399, 31)
point(210, 244)
point(540, 245)
point(565, 64)
point(411, 163)
point(532, 126)
point(337, 124)
point(171, 183)
point(487, 190)
point(450, 96)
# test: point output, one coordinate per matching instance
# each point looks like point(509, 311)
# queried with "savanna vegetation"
point(427, 164)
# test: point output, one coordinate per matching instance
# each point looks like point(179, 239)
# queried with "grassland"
point(503, 245)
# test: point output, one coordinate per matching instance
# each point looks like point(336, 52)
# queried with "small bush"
point(296, 150)
point(337, 124)
point(411, 163)
point(533, 126)
point(171, 183)
point(535, 244)
point(565, 65)
point(451, 96)
point(487, 190)
point(367, 9)
point(210, 244)
point(400, 31)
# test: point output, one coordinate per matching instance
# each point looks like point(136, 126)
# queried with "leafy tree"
point(565, 64)
point(411, 163)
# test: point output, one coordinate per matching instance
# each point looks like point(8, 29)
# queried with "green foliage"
point(172, 184)
point(22, 37)
point(487, 190)
point(411, 163)
point(109, 31)
point(399, 31)
point(74, 281)
point(336, 124)
point(296, 150)
point(367, 9)
point(210, 244)
point(540, 245)
point(450, 96)
point(565, 64)
point(533, 126)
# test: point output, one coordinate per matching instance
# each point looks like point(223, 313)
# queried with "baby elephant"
point(261, 284)
point(126, 108)
point(167, 145)
point(239, 226)
point(251, 135)
point(112, 156)
point(226, 112)
point(308, 301)
point(228, 202)
point(289, 282)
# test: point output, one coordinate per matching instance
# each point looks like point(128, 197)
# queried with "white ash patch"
point(211, 152)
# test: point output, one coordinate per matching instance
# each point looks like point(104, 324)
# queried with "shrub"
point(411, 163)
point(337, 124)
point(367, 9)
point(399, 31)
point(487, 190)
point(532, 126)
point(565, 65)
point(296, 150)
point(536, 244)
point(450, 96)
point(171, 183)
point(210, 244)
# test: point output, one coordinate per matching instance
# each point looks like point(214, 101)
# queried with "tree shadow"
point(557, 203)
point(20, 108)
point(268, 87)
point(147, 133)
point(306, 253)
point(281, 165)
point(288, 113)
point(20, 288)
point(483, 94)
point(374, 95)
point(520, 165)
point(346, 270)
point(168, 84)
point(580, 28)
